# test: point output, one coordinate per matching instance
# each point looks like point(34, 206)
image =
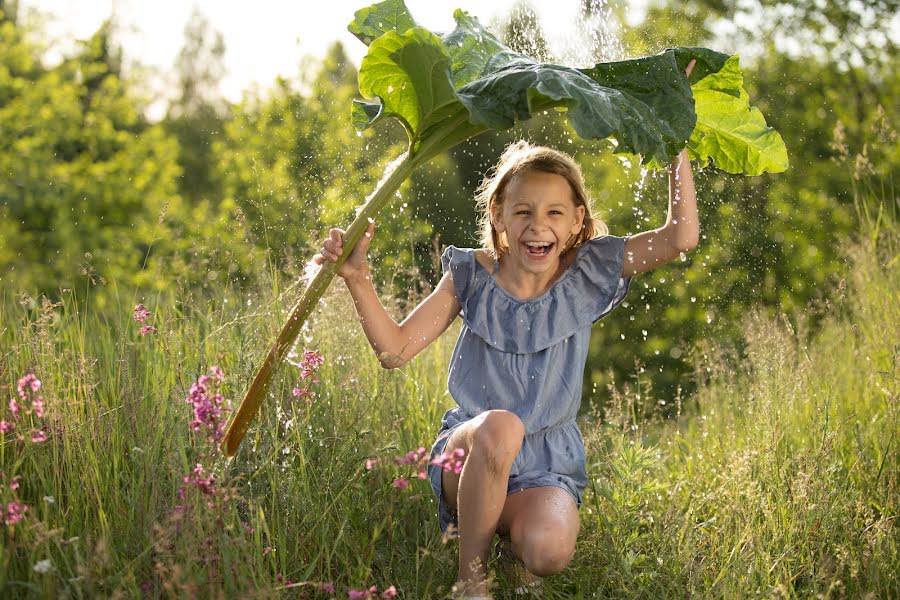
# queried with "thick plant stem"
point(308, 301)
point(455, 129)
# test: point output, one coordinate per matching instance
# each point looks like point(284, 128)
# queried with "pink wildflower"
point(14, 407)
point(38, 406)
point(450, 462)
point(327, 587)
point(371, 463)
point(147, 329)
point(311, 361)
point(412, 457)
point(217, 373)
point(15, 512)
point(5, 426)
point(389, 593)
point(29, 381)
point(209, 409)
point(141, 314)
point(422, 474)
point(38, 436)
point(14, 482)
point(363, 593)
point(401, 483)
point(302, 393)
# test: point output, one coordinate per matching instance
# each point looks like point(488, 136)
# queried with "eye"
point(522, 212)
point(555, 212)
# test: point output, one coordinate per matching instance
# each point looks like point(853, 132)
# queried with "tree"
point(196, 117)
point(90, 176)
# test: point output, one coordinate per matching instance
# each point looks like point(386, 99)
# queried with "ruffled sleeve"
point(460, 263)
point(598, 276)
point(589, 290)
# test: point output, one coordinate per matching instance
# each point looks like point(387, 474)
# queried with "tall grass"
point(779, 477)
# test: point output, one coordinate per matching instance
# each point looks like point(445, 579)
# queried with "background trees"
point(220, 195)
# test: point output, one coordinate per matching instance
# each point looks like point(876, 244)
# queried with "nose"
point(537, 222)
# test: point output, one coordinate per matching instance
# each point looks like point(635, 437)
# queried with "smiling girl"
point(548, 270)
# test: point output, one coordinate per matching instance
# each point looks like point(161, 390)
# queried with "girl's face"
point(538, 215)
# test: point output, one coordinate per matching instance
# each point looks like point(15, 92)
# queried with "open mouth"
point(538, 249)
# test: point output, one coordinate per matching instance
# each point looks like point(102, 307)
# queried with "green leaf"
point(729, 131)
point(658, 87)
point(410, 72)
point(644, 104)
point(365, 114)
point(373, 21)
point(471, 47)
point(708, 61)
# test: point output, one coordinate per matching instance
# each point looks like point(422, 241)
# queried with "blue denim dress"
point(528, 357)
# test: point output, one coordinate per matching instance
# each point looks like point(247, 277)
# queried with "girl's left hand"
point(690, 67)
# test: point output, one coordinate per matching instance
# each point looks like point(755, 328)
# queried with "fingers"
point(367, 237)
point(333, 245)
point(690, 67)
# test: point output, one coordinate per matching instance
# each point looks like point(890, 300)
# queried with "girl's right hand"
point(357, 265)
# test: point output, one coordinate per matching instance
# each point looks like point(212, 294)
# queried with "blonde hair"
point(521, 157)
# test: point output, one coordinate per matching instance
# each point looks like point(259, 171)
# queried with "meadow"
point(778, 477)
point(741, 409)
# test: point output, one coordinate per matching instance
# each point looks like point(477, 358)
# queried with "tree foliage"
point(92, 191)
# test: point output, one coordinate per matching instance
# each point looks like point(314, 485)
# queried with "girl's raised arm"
point(393, 343)
point(681, 232)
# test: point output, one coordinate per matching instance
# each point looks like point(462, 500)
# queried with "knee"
point(546, 550)
point(498, 438)
point(547, 554)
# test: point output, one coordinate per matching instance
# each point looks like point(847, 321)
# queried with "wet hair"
point(522, 157)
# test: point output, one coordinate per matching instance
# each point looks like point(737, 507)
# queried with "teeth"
point(537, 244)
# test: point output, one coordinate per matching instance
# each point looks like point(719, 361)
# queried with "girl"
point(528, 300)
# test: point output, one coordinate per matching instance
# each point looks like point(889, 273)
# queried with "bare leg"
point(542, 524)
point(491, 440)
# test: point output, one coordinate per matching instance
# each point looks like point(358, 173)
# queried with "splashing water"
point(597, 36)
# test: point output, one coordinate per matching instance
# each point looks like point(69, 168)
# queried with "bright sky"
point(264, 41)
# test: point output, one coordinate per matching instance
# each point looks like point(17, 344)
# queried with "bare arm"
point(681, 233)
point(393, 343)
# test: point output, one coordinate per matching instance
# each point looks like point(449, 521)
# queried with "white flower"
point(49, 499)
point(42, 566)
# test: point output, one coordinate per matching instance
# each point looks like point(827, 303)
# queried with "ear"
point(579, 219)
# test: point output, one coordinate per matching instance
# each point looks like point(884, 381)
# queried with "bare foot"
point(466, 590)
point(524, 582)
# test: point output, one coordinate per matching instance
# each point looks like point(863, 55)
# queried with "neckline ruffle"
point(588, 290)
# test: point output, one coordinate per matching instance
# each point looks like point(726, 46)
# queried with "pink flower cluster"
point(198, 479)
point(28, 403)
point(309, 363)
point(372, 592)
point(209, 410)
point(142, 315)
point(14, 511)
point(452, 461)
